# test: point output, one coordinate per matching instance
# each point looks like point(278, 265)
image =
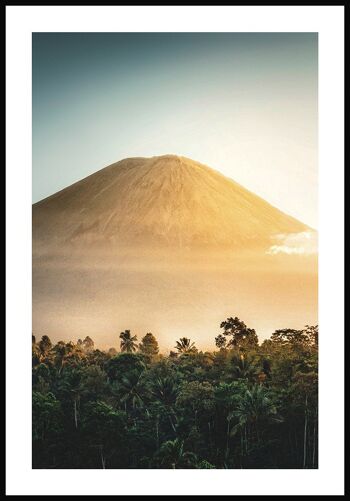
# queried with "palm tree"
point(242, 368)
point(172, 455)
point(128, 342)
point(164, 390)
point(70, 387)
point(254, 408)
point(132, 389)
point(184, 345)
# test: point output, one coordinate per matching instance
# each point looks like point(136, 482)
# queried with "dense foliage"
point(243, 406)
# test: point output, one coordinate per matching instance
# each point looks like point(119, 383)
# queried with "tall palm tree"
point(184, 345)
point(173, 455)
point(164, 390)
point(128, 342)
point(255, 406)
point(254, 409)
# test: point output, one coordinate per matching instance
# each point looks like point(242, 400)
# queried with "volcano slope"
point(167, 245)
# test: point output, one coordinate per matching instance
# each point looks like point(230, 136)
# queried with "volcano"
point(150, 243)
point(160, 201)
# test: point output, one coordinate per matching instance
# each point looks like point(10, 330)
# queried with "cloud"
point(295, 243)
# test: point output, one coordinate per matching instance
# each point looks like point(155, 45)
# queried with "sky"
point(242, 103)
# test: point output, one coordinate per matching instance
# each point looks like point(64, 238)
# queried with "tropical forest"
point(244, 404)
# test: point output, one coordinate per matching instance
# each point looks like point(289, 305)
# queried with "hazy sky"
point(242, 103)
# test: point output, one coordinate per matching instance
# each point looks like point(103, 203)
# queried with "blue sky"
point(242, 103)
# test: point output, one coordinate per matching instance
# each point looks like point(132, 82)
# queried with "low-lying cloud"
point(295, 243)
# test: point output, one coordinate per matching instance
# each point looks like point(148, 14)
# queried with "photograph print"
point(174, 250)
